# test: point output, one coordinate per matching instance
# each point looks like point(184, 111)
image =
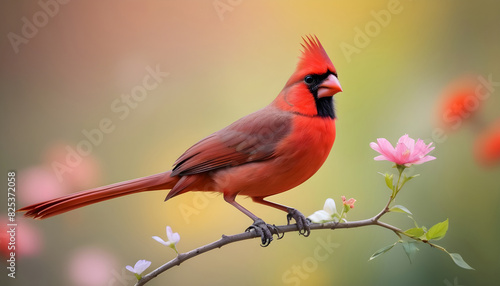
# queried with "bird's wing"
point(251, 138)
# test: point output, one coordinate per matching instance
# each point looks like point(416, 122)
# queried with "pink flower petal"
point(381, 158)
point(407, 151)
point(386, 148)
point(91, 267)
point(425, 159)
point(401, 154)
point(375, 147)
point(407, 141)
point(421, 148)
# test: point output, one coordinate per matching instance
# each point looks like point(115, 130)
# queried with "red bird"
point(262, 154)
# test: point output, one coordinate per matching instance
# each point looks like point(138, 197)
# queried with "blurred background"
point(427, 68)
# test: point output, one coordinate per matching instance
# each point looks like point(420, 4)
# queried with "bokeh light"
point(487, 146)
point(91, 266)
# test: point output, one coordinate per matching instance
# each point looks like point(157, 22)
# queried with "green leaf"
point(410, 249)
point(415, 222)
point(400, 209)
point(382, 251)
point(457, 258)
point(406, 179)
point(415, 232)
point(388, 181)
point(438, 230)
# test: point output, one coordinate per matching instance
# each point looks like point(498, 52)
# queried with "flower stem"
point(399, 184)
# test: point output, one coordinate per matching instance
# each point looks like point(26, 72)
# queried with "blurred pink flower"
point(91, 267)
point(75, 176)
point(41, 182)
point(406, 153)
point(29, 240)
point(350, 202)
point(38, 184)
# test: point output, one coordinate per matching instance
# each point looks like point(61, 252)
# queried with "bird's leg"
point(265, 231)
point(302, 222)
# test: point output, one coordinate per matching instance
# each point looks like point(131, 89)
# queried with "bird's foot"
point(265, 231)
point(300, 219)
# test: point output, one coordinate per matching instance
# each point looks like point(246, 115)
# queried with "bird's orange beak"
point(329, 87)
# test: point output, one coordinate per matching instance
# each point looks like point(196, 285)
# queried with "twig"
point(252, 234)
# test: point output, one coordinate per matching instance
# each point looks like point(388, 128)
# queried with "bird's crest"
point(314, 58)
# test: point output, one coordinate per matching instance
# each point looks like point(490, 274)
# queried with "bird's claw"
point(301, 220)
point(277, 232)
point(265, 231)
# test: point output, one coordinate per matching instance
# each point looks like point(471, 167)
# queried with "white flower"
point(328, 213)
point(139, 267)
point(173, 239)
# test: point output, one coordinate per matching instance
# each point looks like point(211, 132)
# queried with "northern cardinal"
point(262, 154)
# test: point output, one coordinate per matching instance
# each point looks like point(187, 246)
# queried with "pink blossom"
point(29, 239)
point(350, 202)
point(91, 266)
point(39, 184)
point(406, 153)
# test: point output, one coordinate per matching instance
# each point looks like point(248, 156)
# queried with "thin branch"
point(384, 210)
point(181, 257)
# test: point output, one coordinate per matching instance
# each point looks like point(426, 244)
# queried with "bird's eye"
point(309, 79)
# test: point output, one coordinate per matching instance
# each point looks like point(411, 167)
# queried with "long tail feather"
point(67, 203)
